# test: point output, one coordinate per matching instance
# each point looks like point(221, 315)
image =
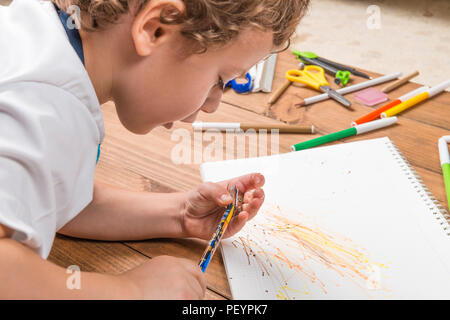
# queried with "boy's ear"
point(147, 29)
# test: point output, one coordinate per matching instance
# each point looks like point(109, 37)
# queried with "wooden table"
point(143, 163)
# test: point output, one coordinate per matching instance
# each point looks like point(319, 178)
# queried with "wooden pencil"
point(277, 94)
point(400, 82)
point(227, 126)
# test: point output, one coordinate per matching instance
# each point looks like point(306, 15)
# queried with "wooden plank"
point(154, 163)
point(434, 111)
point(111, 172)
point(145, 155)
point(211, 295)
point(143, 163)
point(94, 256)
point(435, 183)
point(414, 139)
point(100, 256)
point(191, 249)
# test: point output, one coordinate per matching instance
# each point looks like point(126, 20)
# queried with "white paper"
point(341, 222)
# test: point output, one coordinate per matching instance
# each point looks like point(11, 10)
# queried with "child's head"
point(167, 59)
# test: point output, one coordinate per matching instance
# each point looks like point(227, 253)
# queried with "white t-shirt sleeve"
point(48, 150)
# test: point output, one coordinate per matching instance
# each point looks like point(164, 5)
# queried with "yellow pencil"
point(416, 100)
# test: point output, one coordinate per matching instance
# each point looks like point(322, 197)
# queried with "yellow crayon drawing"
point(276, 243)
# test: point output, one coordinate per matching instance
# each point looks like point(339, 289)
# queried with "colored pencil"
point(416, 100)
point(230, 126)
point(277, 94)
point(376, 113)
point(359, 129)
point(215, 240)
point(400, 82)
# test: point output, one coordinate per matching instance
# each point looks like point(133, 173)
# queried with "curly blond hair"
point(206, 22)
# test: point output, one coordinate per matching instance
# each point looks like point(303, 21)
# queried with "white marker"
point(356, 87)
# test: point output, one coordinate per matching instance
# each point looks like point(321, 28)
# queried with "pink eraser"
point(370, 96)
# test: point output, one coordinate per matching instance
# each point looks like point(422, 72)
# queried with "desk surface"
point(143, 163)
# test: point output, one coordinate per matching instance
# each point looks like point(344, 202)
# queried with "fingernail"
point(258, 179)
point(225, 198)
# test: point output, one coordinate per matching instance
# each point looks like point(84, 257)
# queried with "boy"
point(160, 61)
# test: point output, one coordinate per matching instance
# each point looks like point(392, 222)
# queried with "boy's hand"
point(166, 278)
point(205, 205)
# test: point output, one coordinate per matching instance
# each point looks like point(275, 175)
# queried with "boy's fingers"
point(246, 182)
point(215, 192)
point(197, 287)
point(197, 274)
point(253, 194)
point(253, 201)
point(194, 289)
point(252, 207)
point(237, 224)
point(249, 210)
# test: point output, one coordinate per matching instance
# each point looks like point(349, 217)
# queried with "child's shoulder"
point(40, 60)
point(35, 48)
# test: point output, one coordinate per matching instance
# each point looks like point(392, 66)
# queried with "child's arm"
point(115, 214)
point(25, 275)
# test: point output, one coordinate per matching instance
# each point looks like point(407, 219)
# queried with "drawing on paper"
point(293, 249)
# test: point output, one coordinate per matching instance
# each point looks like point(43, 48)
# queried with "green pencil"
point(445, 162)
point(366, 127)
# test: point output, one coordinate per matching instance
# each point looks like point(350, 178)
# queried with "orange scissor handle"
point(312, 76)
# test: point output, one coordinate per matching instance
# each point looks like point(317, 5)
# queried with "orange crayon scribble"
point(299, 247)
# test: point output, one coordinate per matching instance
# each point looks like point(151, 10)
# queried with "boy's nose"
point(191, 118)
point(212, 103)
point(210, 108)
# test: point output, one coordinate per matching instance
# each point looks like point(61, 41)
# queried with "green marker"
point(445, 162)
point(359, 129)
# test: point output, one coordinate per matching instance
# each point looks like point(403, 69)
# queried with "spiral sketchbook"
point(348, 221)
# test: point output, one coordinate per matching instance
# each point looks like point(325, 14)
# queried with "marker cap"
point(198, 125)
point(374, 125)
point(443, 150)
point(439, 88)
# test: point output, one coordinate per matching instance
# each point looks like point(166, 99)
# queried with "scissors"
point(314, 77)
point(340, 71)
point(232, 210)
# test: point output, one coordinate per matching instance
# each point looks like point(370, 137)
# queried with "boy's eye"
point(221, 84)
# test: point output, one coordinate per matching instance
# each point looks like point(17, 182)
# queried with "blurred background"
point(384, 36)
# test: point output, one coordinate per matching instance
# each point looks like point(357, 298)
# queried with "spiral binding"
point(438, 210)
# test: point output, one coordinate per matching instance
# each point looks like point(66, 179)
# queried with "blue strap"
point(72, 33)
point(75, 41)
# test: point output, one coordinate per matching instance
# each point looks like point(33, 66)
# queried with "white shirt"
point(50, 125)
